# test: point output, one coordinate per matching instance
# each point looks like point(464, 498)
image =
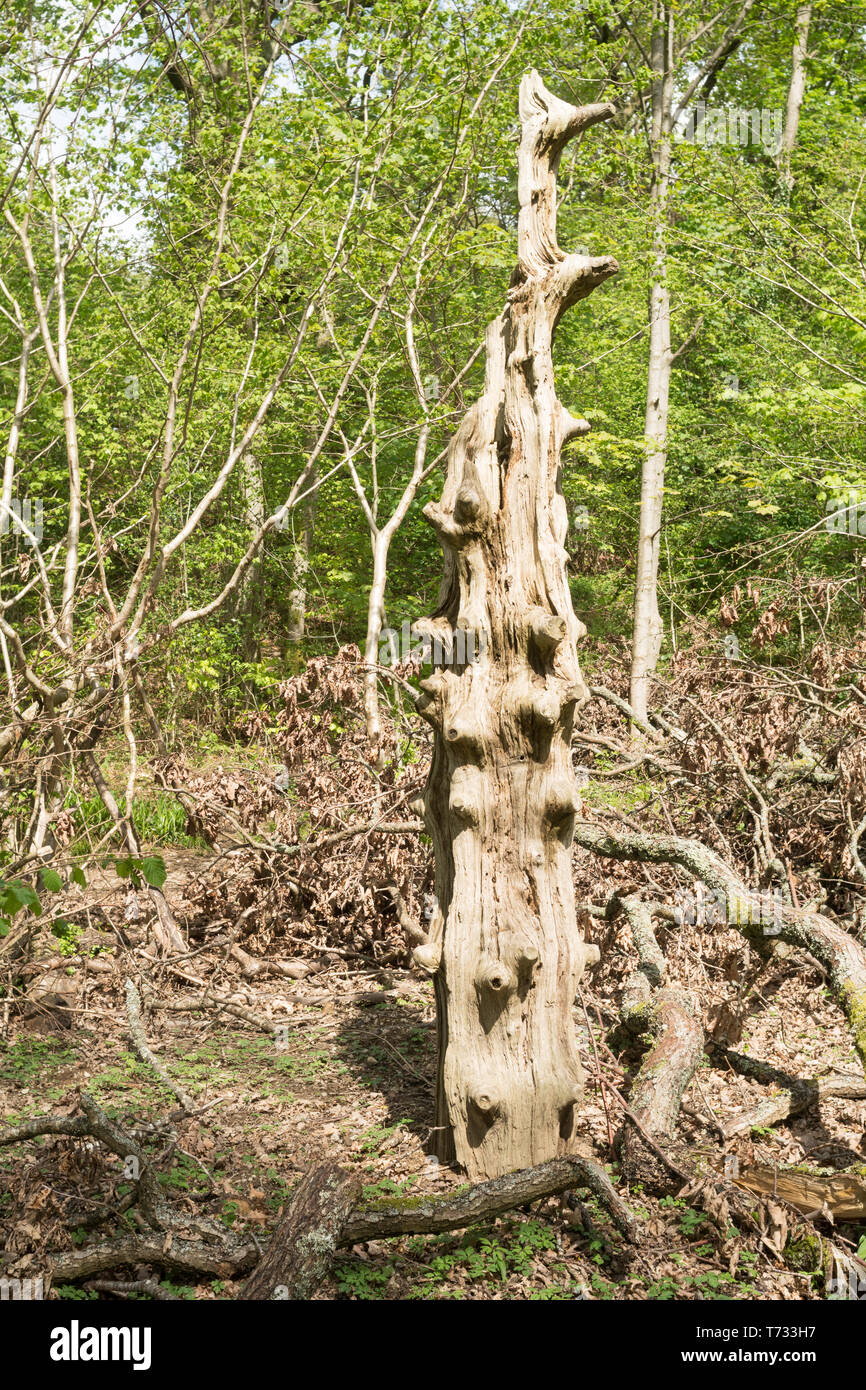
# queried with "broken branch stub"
point(504, 946)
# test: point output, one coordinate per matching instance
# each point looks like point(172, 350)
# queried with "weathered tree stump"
point(504, 947)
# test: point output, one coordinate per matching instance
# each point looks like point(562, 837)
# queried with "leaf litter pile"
point(295, 1030)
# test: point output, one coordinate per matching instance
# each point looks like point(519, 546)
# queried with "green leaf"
point(154, 871)
point(15, 895)
point(51, 881)
point(78, 877)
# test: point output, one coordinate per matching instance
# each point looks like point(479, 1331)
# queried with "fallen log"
point(304, 1243)
point(452, 1211)
point(143, 1051)
point(842, 1195)
point(797, 1094)
point(322, 1216)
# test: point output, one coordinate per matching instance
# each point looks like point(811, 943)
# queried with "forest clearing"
point(433, 691)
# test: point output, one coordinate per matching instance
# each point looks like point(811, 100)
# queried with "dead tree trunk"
point(504, 944)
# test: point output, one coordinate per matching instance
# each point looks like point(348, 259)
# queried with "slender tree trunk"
point(796, 92)
point(165, 928)
point(504, 944)
point(249, 591)
point(647, 634)
point(380, 541)
point(301, 564)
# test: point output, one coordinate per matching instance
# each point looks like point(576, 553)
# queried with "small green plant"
point(372, 1139)
point(229, 1213)
point(68, 935)
point(363, 1281)
point(387, 1187)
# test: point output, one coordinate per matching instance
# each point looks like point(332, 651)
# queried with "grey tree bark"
point(647, 630)
point(297, 623)
point(504, 946)
point(796, 92)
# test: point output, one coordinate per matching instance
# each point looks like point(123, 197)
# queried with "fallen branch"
point(321, 1217)
point(143, 1051)
point(148, 1287)
point(166, 1250)
point(840, 954)
point(303, 1246)
point(602, 693)
point(94, 1123)
point(842, 1195)
point(668, 1018)
point(411, 827)
point(395, 1216)
point(797, 1094)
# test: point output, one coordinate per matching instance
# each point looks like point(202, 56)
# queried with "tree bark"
point(381, 541)
point(796, 92)
point(249, 594)
point(504, 945)
point(647, 630)
point(300, 566)
point(306, 1238)
point(669, 1020)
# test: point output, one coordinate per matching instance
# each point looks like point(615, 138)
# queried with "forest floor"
point(351, 1079)
point(300, 1031)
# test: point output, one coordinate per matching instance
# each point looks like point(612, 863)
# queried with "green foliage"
point(15, 896)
